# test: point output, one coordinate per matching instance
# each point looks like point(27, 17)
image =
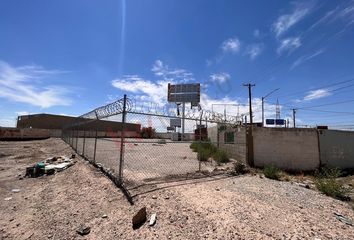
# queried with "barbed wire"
point(170, 110)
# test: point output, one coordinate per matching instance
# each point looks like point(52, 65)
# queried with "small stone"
point(15, 190)
point(154, 197)
point(104, 216)
point(83, 230)
point(167, 197)
point(8, 198)
point(217, 189)
point(139, 218)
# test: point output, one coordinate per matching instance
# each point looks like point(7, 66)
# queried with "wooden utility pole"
point(250, 154)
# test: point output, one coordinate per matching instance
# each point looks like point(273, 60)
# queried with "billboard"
point(275, 122)
point(184, 93)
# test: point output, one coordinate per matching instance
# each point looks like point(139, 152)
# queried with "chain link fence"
point(136, 147)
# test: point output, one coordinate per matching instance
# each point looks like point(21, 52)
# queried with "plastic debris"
point(343, 219)
point(49, 166)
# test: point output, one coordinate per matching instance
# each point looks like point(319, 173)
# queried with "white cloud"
point(316, 94)
point(23, 84)
point(231, 45)
point(145, 89)
point(8, 122)
point(288, 44)
point(254, 50)
point(21, 113)
point(305, 58)
point(162, 70)
point(286, 21)
point(220, 77)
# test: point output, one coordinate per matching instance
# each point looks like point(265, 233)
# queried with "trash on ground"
point(83, 230)
point(15, 190)
point(140, 218)
point(8, 198)
point(49, 166)
point(343, 219)
point(152, 220)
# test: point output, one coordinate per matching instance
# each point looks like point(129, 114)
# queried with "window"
point(229, 137)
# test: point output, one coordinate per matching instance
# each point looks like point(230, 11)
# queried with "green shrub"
point(271, 172)
point(326, 182)
point(221, 156)
point(203, 154)
point(194, 146)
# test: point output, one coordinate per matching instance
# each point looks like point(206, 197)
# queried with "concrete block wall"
point(337, 148)
point(287, 148)
point(238, 148)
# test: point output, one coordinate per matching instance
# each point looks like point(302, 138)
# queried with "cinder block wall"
point(337, 148)
point(287, 148)
point(238, 148)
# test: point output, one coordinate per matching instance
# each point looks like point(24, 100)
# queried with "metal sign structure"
point(184, 93)
point(275, 122)
point(175, 122)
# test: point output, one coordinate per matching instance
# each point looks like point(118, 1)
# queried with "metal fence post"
point(200, 140)
point(122, 135)
point(77, 139)
point(94, 151)
point(83, 144)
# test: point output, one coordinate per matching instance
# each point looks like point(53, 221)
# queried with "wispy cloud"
point(23, 84)
point(316, 94)
point(344, 13)
point(254, 50)
point(286, 21)
point(164, 71)
point(220, 77)
point(288, 45)
point(231, 45)
point(305, 58)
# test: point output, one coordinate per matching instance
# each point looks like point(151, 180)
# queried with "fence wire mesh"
point(137, 147)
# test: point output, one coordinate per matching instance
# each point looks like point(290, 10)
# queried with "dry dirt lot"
point(244, 207)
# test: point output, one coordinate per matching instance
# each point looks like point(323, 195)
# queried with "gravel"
point(242, 207)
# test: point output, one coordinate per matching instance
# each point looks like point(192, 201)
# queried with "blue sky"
point(68, 57)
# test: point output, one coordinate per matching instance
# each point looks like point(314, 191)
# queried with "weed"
point(272, 172)
point(220, 156)
point(327, 183)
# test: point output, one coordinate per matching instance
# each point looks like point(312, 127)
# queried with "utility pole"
point(263, 104)
point(294, 117)
point(250, 153)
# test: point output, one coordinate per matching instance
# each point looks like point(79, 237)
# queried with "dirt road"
point(245, 207)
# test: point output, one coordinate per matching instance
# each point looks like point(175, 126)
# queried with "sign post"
point(184, 93)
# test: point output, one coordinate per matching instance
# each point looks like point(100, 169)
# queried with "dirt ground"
point(243, 207)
